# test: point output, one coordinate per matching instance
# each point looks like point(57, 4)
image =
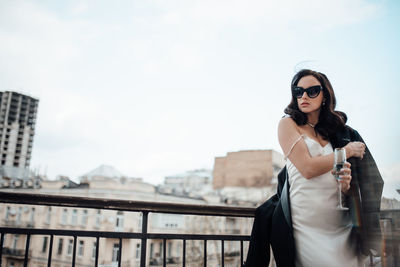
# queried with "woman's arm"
point(309, 166)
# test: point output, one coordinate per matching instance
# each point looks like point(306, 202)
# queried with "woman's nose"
point(304, 95)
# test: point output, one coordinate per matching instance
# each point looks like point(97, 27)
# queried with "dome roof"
point(103, 171)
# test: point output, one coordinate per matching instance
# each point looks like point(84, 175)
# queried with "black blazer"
point(271, 227)
point(364, 196)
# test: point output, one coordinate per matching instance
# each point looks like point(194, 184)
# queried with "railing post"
point(222, 253)
point(50, 251)
point(28, 240)
point(184, 253)
point(120, 253)
point(1, 246)
point(74, 252)
point(241, 253)
point(96, 264)
point(164, 252)
point(205, 253)
point(145, 216)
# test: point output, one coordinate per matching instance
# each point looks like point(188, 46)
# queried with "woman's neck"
point(313, 118)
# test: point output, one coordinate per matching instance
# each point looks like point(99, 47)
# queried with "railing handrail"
point(124, 205)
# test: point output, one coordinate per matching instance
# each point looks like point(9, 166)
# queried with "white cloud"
point(80, 7)
point(318, 14)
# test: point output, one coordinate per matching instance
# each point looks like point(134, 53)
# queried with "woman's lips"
point(304, 104)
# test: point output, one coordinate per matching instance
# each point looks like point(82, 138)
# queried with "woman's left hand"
point(345, 177)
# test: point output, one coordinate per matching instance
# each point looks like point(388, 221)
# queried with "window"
point(140, 222)
point(161, 248)
point(60, 246)
point(74, 218)
point(98, 218)
point(32, 217)
point(8, 213)
point(48, 215)
point(15, 242)
point(94, 250)
point(19, 214)
point(44, 246)
point(179, 249)
point(80, 248)
point(64, 217)
point(169, 250)
point(84, 218)
point(115, 253)
point(151, 250)
point(137, 251)
point(5, 237)
point(11, 264)
point(70, 244)
point(119, 224)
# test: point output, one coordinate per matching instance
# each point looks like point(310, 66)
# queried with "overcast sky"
point(158, 87)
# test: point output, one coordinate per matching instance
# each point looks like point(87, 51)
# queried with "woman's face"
point(305, 103)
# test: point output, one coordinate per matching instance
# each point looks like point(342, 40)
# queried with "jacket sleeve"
point(370, 185)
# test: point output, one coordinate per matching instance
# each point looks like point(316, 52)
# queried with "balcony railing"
point(14, 253)
point(19, 224)
point(390, 222)
point(132, 206)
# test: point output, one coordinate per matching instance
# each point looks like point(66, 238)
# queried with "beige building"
point(99, 186)
point(249, 168)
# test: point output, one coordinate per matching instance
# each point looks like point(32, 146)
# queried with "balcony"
point(13, 253)
point(192, 256)
point(19, 224)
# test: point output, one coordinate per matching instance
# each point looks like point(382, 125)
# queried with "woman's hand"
point(355, 149)
point(345, 177)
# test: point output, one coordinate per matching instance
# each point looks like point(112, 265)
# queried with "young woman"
point(321, 232)
point(301, 222)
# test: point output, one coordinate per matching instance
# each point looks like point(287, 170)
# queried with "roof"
point(103, 171)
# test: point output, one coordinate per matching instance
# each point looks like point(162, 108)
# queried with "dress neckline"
point(315, 141)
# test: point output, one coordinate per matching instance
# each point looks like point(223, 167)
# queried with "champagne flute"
point(340, 159)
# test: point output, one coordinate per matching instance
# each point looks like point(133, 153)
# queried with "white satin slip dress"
point(321, 233)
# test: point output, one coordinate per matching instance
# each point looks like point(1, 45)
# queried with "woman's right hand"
point(355, 149)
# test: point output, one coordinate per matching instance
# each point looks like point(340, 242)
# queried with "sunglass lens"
point(297, 92)
point(313, 91)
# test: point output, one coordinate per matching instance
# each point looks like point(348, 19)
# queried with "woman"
point(300, 222)
point(322, 234)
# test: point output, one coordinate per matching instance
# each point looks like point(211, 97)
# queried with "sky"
point(157, 87)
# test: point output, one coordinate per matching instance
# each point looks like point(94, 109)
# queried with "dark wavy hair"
point(330, 120)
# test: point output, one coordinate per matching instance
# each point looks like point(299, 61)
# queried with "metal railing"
point(132, 206)
point(390, 221)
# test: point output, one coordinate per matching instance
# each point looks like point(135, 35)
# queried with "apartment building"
point(17, 129)
point(111, 221)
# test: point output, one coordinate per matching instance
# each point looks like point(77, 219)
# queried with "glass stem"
point(340, 194)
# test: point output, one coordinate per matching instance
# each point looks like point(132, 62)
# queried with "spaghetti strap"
point(291, 148)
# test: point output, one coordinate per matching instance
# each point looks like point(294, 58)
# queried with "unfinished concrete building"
point(17, 129)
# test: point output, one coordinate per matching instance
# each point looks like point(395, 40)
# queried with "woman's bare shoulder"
point(288, 132)
point(287, 123)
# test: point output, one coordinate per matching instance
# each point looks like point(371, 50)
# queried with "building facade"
point(250, 168)
point(69, 218)
point(17, 128)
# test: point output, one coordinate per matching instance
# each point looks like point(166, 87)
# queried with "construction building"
point(17, 129)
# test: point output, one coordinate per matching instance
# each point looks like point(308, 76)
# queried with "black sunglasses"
point(312, 91)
